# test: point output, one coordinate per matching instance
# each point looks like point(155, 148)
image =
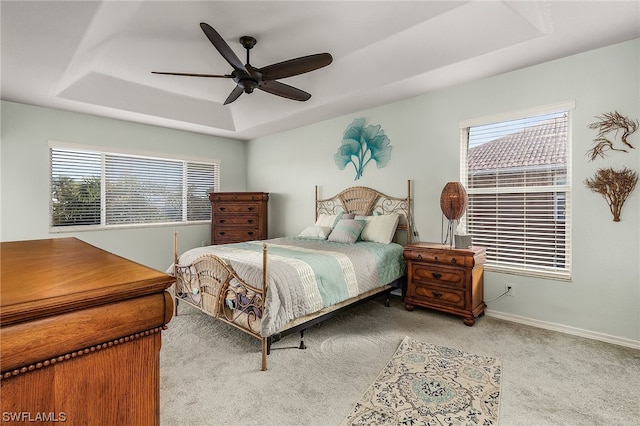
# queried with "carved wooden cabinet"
point(446, 279)
point(238, 216)
point(80, 335)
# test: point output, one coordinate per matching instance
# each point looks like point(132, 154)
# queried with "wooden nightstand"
point(449, 280)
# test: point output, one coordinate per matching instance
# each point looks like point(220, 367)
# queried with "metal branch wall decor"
point(611, 122)
point(361, 145)
point(615, 186)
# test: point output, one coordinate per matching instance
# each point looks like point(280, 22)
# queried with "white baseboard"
point(635, 344)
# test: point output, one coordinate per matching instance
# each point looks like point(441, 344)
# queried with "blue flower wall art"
point(361, 145)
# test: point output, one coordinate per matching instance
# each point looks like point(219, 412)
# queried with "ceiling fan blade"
point(296, 66)
point(235, 94)
point(192, 75)
point(222, 47)
point(284, 90)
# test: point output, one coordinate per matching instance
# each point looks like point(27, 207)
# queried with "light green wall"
point(26, 132)
point(603, 299)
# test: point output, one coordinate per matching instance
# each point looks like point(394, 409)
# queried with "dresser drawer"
point(437, 296)
point(236, 220)
point(448, 277)
point(223, 236)
point(238, 196)
point(235, 208)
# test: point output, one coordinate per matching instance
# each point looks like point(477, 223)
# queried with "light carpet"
point(210, 372)
point(426, 384)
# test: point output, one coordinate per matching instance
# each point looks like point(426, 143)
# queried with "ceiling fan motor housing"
point(248, 81)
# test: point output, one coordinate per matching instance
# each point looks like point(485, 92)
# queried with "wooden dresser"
point(238, 216)
point(446, 279)
point(80, 335)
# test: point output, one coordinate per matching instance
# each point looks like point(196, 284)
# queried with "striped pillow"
point(347, 231)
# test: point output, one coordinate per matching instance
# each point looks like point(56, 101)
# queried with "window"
point(516, 172)
point(101, 189)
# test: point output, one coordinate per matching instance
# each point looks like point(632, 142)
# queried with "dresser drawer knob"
point(221, 233)
point(221, 221)
point(250, 209)
point(250, 233)
point(221, 209)
point(435, 258)
point(436, 294)
point(419, 256)
point(454, 260)
point(436, 275)
point(249, 220)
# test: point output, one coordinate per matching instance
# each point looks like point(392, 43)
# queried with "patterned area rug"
point(425, 384)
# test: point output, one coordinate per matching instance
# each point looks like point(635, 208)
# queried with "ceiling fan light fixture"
point(248, 85)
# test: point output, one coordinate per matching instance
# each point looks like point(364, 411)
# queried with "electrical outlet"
point(509, 289)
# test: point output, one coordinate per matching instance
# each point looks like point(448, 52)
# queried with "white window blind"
point(517, 178)
point(75, 188)
point(199, 186)
point(90, 188)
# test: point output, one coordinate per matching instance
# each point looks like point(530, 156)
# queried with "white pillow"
point(316, 232)
point(327, 220)
point(333, 219)
point(379, 229)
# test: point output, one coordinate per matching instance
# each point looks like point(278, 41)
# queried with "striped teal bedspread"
point(305, 275)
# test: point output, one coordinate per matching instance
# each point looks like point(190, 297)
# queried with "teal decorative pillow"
point(347, 231)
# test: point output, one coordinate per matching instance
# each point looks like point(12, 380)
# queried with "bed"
point(352, 253)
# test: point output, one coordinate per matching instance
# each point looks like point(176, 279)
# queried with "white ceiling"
point(97, 56)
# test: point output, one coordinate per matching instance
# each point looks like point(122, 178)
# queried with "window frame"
point(564, 274)
point(106, 151)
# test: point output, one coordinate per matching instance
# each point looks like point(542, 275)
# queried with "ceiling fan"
point(248, 77)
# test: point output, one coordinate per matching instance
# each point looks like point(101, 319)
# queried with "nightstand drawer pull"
point(454, 260)
point(436, 275)
point(436, 294)
point(419, 256)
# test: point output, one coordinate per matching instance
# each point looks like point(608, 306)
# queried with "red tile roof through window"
point(541, 145)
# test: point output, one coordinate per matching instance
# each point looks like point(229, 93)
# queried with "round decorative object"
point(453, 200)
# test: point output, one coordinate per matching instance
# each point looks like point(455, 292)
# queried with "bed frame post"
point(316, 205)
point(409, 220)
point(263, 303)
point(175, 269)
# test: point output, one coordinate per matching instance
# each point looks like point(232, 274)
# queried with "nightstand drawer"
point(437, 257)
point(438, 296)
point(449, 277)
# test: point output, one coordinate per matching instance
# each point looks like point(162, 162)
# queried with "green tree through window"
point(99, 189)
